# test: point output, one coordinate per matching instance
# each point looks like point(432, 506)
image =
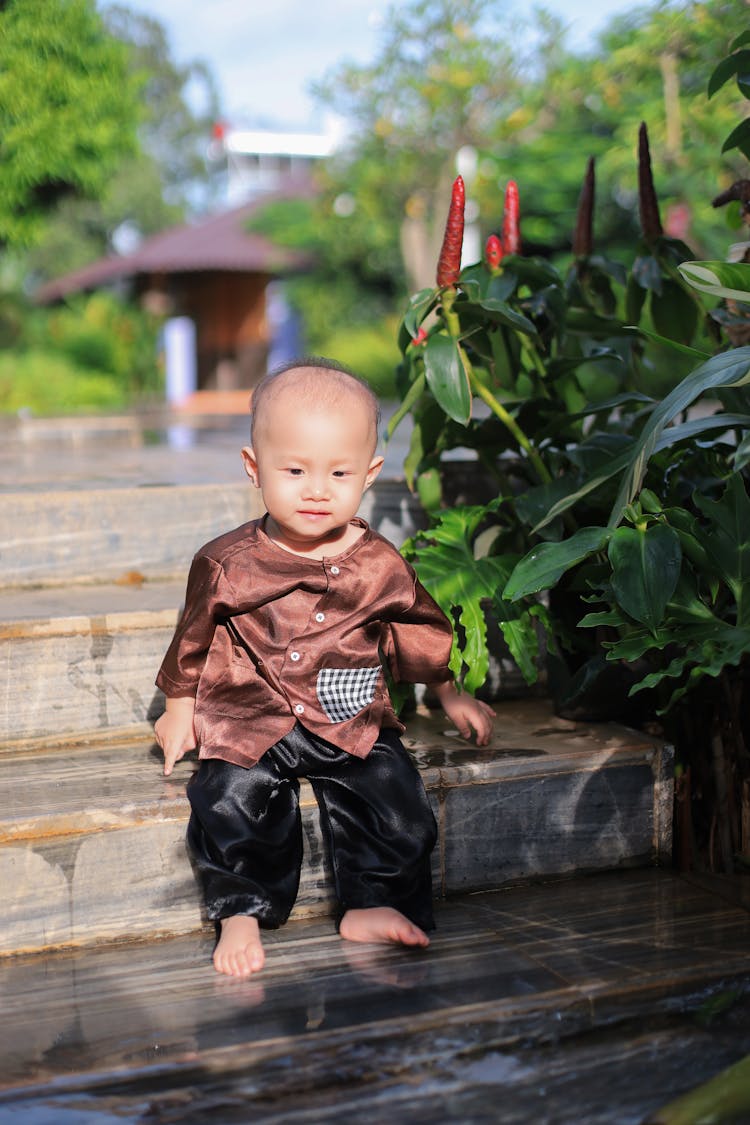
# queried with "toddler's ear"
point(375, 466)
point(251, 464)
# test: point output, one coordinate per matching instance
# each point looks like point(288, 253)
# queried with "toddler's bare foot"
point(381, 924)
point(239, 952)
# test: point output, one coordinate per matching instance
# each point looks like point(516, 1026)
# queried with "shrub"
point(48, 383)
point(370, 351)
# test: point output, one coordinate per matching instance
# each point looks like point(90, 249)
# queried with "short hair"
point(343, 378)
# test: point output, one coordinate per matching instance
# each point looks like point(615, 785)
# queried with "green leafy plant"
point(620, 519)
point(537, 373)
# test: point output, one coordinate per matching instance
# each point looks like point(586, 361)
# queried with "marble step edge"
point(142, 794)
point(73, 609)
point(100, 738)
point(88, 624)
point(84, 534)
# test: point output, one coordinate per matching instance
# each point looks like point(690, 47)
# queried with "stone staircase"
point(96, 535)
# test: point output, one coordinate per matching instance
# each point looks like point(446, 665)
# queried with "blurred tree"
point(68, 110)
point(651, 66)
point(446, 75)
point(167, 176)
point(180, 107)
point(459, 76)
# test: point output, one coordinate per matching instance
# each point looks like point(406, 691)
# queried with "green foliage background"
point(451, 79)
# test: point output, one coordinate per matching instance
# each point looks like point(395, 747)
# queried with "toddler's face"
point(312, 466)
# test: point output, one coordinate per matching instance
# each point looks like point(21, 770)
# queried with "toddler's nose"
point(316, 489)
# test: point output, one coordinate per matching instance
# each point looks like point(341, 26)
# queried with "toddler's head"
point(314, 433)
point(316, 385)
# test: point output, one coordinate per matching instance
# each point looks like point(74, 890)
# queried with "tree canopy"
point(459, 73)
point(68, 110)
point(166, 175)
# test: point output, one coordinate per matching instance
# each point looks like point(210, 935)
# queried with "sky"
point(265, 53)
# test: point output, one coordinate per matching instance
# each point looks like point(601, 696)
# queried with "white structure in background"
point(179, 359)
point(259, 160)
point(181, 372)
point(466, 166)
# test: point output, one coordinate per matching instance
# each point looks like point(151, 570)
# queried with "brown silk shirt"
point(268, 638)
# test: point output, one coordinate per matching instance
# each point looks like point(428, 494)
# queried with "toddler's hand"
point(469, 714)
point(174, 731)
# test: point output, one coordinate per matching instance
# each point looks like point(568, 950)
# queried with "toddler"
point(276, 672)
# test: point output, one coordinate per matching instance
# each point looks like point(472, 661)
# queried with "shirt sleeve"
point(417, 645)
point(207, 598)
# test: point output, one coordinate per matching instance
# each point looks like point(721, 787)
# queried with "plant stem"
point(453, 325)
point(512, 426)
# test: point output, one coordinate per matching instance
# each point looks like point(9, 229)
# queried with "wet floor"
point(591, 1000)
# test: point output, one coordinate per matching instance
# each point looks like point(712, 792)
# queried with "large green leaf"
point(447, 378)
point(522, 641)
point(545, 564)
point(657, 438)
point(645, 568)
point(675, 312)
point(601, 475)
point(419, 306)
point(739, 137)
point(730, 369)
point(664, 341)
point(461, 583)
point(742, 456)
point(703, 651)
point(502, 313)
point(719, 279)
point(684, 430)
point(686, 527)
point(735, 64)
point(728, 540)
point(633, 646)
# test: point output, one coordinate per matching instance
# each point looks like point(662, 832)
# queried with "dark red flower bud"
point(649, 206)
point(511, 217)
point(449, 262)
point(493, 252)
point(583, 239)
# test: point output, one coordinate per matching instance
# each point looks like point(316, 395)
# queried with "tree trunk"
point(671, 86)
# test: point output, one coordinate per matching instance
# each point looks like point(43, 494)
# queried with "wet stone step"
point(92, 835)
point(100, 535)
point(573, 1001)
point(83, 659)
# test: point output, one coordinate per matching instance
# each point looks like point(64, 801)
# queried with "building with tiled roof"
point(214, 272)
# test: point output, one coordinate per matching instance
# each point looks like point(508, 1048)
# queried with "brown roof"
point(220, 243)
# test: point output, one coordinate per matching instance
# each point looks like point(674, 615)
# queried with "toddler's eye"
point(340, 472)
point(296, 472)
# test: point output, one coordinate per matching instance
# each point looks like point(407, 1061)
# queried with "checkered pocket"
point(344, 692)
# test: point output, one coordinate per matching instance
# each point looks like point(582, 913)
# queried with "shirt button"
point(334, 570)
point(294, 656)
point(298, 707)
point(320, 617)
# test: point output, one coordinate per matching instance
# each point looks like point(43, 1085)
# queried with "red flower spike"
point(511, 217)
point(449, 262)
point(420, 338)
point(493, 252)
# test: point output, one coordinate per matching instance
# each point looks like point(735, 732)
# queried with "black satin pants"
point(245, 832)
